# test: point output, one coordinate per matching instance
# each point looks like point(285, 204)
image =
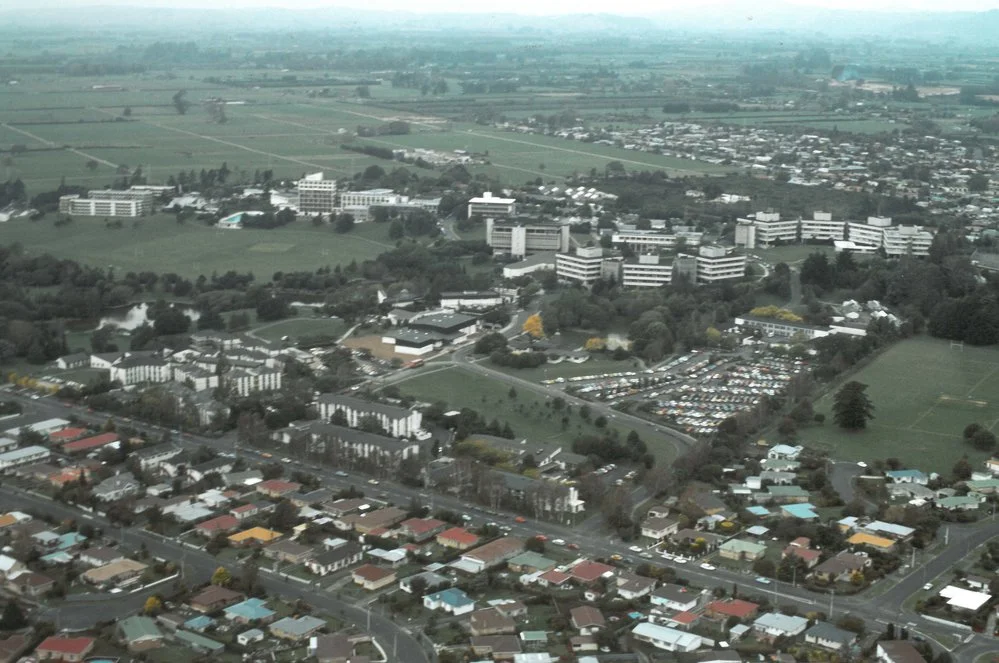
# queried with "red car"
point(520, 519)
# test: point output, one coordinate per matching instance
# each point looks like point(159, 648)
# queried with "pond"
point(134, 316)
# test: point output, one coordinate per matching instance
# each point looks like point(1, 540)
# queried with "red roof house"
point(88, 443)
point(732, 608)
point(224, 523)
point(588, 571)
point(457, 537)
point(67, 435)
point(64, 649)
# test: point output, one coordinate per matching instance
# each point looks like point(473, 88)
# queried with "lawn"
point(924, 393)
point(158, 243)
point(296, 328)
point(528, 413)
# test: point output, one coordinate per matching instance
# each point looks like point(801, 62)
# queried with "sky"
point(622, 7)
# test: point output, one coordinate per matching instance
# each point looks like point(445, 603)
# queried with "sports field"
point(924, 393)
point(158, 243)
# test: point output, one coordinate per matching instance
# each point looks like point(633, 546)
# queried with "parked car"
point(708, 567)
point(762, 580)
point(374, 482)
point(635, 549)
point(558, 542)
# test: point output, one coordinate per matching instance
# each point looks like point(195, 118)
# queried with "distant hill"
point(741, 16)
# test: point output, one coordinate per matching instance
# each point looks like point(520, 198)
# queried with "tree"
point(91, 165)
point(284, 516)
point(153, 605)
point(534, 326)
point(396, 230)
point(962, 469)
point(851, 406)
point(12, 618)
point(171, 321)
point(984, 440)
point(221, 577)
point(181, 104)
point(978, 183)
point(595, 344)
point(344, 223)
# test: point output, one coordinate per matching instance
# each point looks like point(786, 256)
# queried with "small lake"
point(134, 316)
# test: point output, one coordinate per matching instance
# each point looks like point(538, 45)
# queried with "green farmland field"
point(158, 243)
point(924, 393)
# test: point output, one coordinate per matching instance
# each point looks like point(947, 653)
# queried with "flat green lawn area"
point(791, 253)
point(528, 414)
point(158, 243)
point(298, 327)
point(924, 394)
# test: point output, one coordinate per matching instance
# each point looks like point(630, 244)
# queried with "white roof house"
point(964, 599)
point(669, 639)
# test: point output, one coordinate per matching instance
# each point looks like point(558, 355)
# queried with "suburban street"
point(887, 606)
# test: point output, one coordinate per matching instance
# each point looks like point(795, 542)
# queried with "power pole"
point(832, 595)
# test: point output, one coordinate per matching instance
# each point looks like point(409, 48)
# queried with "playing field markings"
point(929, 410)
point(980, 382)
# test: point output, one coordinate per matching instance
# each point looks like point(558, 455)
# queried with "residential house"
point(586, 619)
point(213, 598)
point(499, 647)
point(140, 633)
point(29, 583)
point(489, 621)
point(740, 550)
point(530, 562)
point(335, 559)
point(738, 608)
point(421, 529)
point(100, 556)
point(116, 488)
point(776, 625)
point(432, 582)
point(841, 567)
point(659, 528)
point(115, 572)
point(219, 525)
point(587, 572)
point(665, 638)
point(254, 536)
point(248, 611)
point(801, 549)
point(56, 648)
point(674, 597)
point(451, 600)
point(297, 629)
point(784, 452)
point(491, 554)
point(907, 476)
point(458, 538)
point(277, 488)
point(373, 578)
point(898, 651)
point(827, 636)
point(331, 648)
point(249, 637)
point(879, 543)
point(289, 552)
point(368, 521)
point(631, 587)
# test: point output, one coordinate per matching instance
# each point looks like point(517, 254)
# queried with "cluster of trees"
point(529, 359)
point(676, 107)
point(12, 191)
point(979, 437)
point(610, 448)
point(269, 220)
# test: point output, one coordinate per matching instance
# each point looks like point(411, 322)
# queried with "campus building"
point(518, 238)
point(646, 271)
point(654, 240)
point(316, 195)
point(108, 202)
point(397, 421)
point(765, 229)
point(715, 264)
point(584, 266)
point(489, 206)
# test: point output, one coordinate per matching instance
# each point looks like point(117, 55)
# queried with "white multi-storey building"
point(764, 230)
point(108, 202)
point(714, 264)
point(651, 240)
point(906, 240)
point(316, 195)
point(822, 227)
point(23, 456)
point(371, 197)
point(397, 421)
point(489, 206)
point(648, 271)
point(136, 369)
point(246, 381)
point(868, 236)
point(585, 266)
point(519, 239)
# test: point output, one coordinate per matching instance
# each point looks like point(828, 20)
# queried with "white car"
point(374, 482)
point(680, 559)
point(667, 555)
point(708, 567)
point(635, 549)
point(558, 542)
